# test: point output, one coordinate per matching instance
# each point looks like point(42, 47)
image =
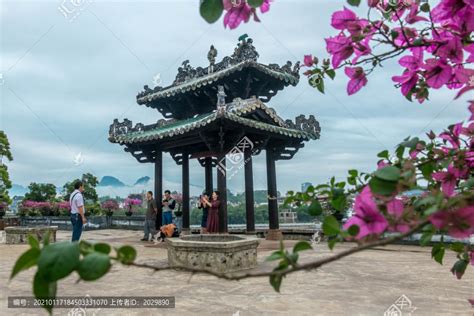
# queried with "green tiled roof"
point(188, 125)
point(209, 79)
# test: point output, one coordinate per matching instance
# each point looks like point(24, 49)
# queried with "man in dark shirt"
point(150, 217)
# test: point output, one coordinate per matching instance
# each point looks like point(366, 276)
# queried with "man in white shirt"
point(78, 219)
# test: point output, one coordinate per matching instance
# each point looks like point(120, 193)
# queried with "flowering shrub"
point(130, 202)
point(434, 45)
point(236, 11)
point(34, 208)
point(110, 206)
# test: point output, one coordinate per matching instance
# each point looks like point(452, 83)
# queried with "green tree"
point(90, 183)
point(41, 192)
point(5, 182)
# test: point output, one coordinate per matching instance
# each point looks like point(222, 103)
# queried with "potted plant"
point(110, 206)
point(129, 203)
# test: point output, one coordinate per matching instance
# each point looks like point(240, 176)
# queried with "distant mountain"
point(18, 190)
point(109, 181)
point(143, 180)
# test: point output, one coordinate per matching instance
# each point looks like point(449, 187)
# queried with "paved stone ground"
point(366, 283)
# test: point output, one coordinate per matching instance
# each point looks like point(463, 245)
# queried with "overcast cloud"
point(65, 82)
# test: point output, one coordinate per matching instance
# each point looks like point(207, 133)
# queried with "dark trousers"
point(76, 221)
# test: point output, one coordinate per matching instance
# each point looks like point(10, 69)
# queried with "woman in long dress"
point(213, 215)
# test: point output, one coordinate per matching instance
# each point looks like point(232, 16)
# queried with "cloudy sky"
point(63, 82)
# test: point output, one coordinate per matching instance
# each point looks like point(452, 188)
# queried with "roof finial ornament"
point(211, 56)
point(220, 98)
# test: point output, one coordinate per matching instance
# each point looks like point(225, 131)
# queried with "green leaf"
point(26, 260)
point(383, 154)
point(330, 226)
point(353, 173)
point(382, 187)
point(399, 152)
point(331, 73)
point(457, 247)
point(34, 243)
point(425, 7)
point(126, 254)
point(332, 243)
point(410, 143)
point(426, 238)
point(46, 238)
point(315, 208)
point(394, 34)
point(276, 255)
point(43, 289)
point(58, 260)
point(354, 3)
point(301, 246)
point(388, 173)
point(94, 266)
point(211, 10)
point(459, 268)
point(353, 230)
point(320, 85)
point(102, 247)
point(85, 247)
point(437, 253)
point(255, 3)
point(339, 203)
point(427, 169)
point(275, 281)
point(293, 258)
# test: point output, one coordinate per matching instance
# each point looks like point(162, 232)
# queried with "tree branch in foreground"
point(306, 266)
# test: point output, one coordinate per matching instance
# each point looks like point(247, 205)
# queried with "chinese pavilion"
point(218, 116)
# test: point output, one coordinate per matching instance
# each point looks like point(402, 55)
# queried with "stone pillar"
point(185, 182)
point(249, 194)
point(208, 175)
point(274, 232)
point(222, 188)
point(158, 194)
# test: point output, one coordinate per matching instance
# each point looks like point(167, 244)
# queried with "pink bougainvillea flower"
point(265, 7)
point(459, 223)
point(407, 81)
point(414, 61)
point(451, 47)
point(236, 14)
point(340, 19)
point(357, 79)
point(470, 49)
point(340, 47)
point(413, 16)
point(308, 60)
point(449, 179)
point(459, 13)
point(381, 164)
point(367, 216)
point(438, 72)
point(452, 136)
point(471, 109)
point(407, 33)
point(396, 208)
